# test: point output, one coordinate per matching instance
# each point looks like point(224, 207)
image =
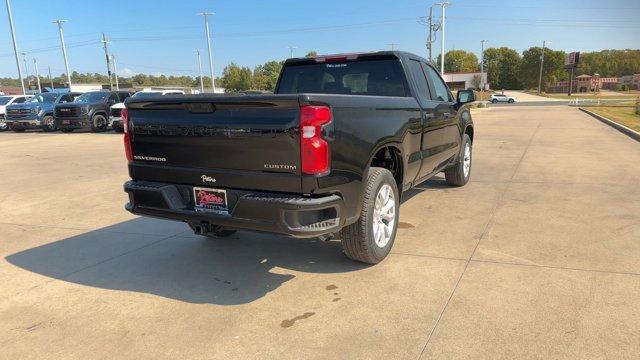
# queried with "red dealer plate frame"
point(210, 200)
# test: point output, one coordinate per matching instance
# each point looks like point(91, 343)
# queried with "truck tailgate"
point(244, 142)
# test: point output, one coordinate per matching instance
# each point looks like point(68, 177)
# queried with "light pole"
point(50, 77)
point(200, 71)
point(106, 55)
point(205, 14)
point(544, 43)
point(291, 48)
point(444, 4)
point(64, 49)
point(35, 64)
point(15, 45)
point(26, 67)
point(482, 64)
point(115, 71)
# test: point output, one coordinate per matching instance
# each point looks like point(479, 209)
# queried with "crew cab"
point(90, 110)
point(7, 100)
point(115, 118)
point(37, 112)
point(496, 98)
point(328, 155)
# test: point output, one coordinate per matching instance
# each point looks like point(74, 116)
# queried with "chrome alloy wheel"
point(384, 216)
point(466, 160)
point(49, 122)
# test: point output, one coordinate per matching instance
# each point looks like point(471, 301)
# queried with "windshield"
point(146, 94)
point(44, 98)
point(92, 97)
point(380, 77)
point(4, 100)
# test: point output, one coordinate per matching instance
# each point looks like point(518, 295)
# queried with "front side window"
point(442, 93)
point(19, 100)
point(44, 98)
point(378, 77)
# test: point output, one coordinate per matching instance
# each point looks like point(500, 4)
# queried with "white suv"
point(495, 98)
point(114, 114)
point(7, 100)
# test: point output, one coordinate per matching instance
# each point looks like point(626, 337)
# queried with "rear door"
point(430, 131)
point(448, 142)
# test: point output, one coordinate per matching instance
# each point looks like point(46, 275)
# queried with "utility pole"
point(15, 45)
point(26, 67)
point(50, 77)
point(106, 55)
point(205, 14)
point(291, 48)
point(64, 49)
point(200, 70)
point(444, 4)
point(433, 29)
point(482, 64)
point(35, 64)
point(115, 71)
point(544, 43)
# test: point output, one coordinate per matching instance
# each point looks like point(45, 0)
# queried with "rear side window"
point(421, 81)
point(441, 91)
point(365, 77)
point(19, 100)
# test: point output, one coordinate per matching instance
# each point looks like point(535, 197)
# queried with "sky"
point(161, 36)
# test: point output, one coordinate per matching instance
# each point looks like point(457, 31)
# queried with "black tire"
point(510, 101)
point(49, 120)
point(455, 174)
point(66, 130)
point(99, 123)
point(495, 101)
point(358, 238)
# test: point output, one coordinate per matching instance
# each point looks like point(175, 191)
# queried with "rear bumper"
point(258, 211)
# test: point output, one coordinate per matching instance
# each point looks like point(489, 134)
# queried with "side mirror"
point(466, 96)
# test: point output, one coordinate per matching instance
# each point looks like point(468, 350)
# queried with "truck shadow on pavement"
point(185, 267)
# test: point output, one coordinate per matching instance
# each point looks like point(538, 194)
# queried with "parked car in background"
point(90, 110)
point(496, 98)
point(37, 112)
point(329, 154)
point(6, 101)
point(115, 118)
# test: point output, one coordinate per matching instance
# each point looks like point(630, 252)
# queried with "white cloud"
point(127, 72)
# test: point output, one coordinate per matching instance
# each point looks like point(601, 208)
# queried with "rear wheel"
point(99, 123)
point(459, 173)
point(371, 238)
point(494, 101)
point(3, 126)
point(49, 124)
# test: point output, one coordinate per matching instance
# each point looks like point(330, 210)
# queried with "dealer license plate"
point(210, 200)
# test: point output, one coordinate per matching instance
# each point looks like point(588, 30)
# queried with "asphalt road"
point(537, 257)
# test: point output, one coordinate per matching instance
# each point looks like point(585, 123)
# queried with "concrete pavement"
point(537, 257)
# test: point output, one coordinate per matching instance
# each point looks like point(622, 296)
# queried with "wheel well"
point(469, 131)
point(390, 158)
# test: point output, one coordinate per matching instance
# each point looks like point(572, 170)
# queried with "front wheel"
point(459, 173)
point(99, 123)
point(370, 239)
point(49, 124)
point(3, 126)
point(495, 101)
point(511, 101)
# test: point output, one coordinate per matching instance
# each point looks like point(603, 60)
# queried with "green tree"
point(236, 78)
point(553, 67)
point(266, 75)
point(311, 54)
point(459, 61)
point(502, 66)
point(609, 63)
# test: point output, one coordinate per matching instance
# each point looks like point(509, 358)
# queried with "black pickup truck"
point(89, 110)
point(328, 155)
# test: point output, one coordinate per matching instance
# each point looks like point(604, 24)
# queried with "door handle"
point(428, 116)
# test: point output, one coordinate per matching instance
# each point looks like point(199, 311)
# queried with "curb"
point(623, 129)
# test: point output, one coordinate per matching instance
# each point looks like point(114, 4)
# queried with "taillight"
point(124, 114)
point(314, 150)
